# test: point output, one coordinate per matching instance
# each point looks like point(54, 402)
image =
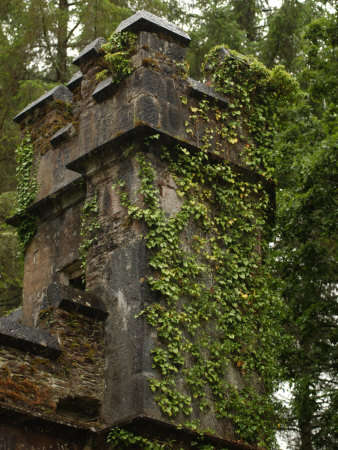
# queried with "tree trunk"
point(304, 400)
point(61, 55)
point(245, 13)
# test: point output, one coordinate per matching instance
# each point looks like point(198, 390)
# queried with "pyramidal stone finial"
point(90, 51)
point(75, 80)
point(145, 21)
point(58, 93)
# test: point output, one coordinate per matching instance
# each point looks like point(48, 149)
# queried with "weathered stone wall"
point(84, 140)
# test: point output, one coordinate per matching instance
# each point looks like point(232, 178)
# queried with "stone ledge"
point(92, 50)
point(75, 80)
point(144, 424)
point(62, 135)
point(58, 93)
point(27, 339)
point(59, 200)
point(145, 21)
point(74, 300)
point(199, 89)
point(62, 424)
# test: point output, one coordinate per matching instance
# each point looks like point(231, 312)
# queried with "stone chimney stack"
point(87, 353)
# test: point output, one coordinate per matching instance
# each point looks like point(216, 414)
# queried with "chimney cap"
point(90, 51)
point(145, 21)
point(59, 92)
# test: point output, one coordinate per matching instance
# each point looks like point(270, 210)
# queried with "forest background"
point(38, 39)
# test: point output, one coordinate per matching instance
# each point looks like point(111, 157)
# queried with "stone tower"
point(77, 361)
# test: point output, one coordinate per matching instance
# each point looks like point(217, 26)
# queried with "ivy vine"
point(218, 315)
point(256, 96)
point(89, 227)
point(119, 438)
point(27, 189)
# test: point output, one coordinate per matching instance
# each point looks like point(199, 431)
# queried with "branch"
point(72, 30)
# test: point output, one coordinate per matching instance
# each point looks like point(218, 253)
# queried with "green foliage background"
point(37, 41)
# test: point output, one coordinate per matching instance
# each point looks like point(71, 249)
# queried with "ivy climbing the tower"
point(217, 317)
point(27, 189)
point(89, 227)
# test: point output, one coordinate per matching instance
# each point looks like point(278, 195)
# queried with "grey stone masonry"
point(28, 339)
point(71, 299)
point(15, 315)
point(58, 93)
point(90, 51)
point(145, 21)
point(200, 89)
point(62, 134)
point(75, 80)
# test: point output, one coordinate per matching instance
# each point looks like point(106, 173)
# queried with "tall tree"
point(236, 23)
point(307, 240)
point(285, 26)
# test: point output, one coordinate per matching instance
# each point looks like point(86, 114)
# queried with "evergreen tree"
point(285, 26)
point(236, 23)
point(307, 148)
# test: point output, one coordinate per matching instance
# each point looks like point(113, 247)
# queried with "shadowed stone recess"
point(58, 93)
point(145, 21)
point(200, 89)
point(63, 134)
point(33, 340)
point(71, 299)
point(90, 51)
point(75, 80)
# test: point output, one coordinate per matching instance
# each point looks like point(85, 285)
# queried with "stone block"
point(151, 82)
point(75, 80)
point(104, 89)
point(92, 50)
point(27, 339)
point(199, 89)
point(174, 51)
point(147, 110)
point(62, 135)
point(58, 93)
point(145, 21)
point(171, 202)
point(172, 95)
point(153, 44)
point(172, 121)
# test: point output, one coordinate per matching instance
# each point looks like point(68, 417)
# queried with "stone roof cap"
point(90, 51)
point(201, 89)
point(61, 135)
point(145, 21)
point(27, 339)
point(75, 80)
point(58, 93)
